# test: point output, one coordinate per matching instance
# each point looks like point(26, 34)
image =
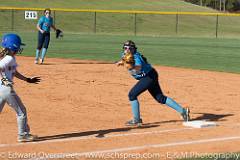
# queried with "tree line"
point(222, 5)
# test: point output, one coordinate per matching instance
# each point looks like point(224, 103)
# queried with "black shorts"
point(150, 83)
point(43, 40)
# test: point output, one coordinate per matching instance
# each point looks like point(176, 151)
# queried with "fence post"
point(224, 5)
point(177, 23)
point(135, 24)
point(54, 17)
point(217, 27)
point(95, 23)
point(12, 27)
point(220, 5)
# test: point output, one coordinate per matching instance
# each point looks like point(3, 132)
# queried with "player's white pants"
point(7, 94)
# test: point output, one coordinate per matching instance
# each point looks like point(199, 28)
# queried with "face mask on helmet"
point(130, 45)
point(12, 43)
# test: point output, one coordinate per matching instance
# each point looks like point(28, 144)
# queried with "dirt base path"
point(81, 107)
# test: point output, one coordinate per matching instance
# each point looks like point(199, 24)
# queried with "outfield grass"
point(153, 5)
point(199, 53)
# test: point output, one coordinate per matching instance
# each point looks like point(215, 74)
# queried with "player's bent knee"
point(39, 47)
point(21, 112)
point(161, 98)
point(132, 96)
point(21, 116)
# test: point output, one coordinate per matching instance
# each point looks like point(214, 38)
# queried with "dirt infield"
point(81, 107)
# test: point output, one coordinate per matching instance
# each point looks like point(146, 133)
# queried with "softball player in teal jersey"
point(44, 26)
point(147, 78)
point(11, 44)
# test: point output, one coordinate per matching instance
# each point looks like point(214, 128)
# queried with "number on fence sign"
point(30, 14)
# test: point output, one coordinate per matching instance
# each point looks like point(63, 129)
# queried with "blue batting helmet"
point(12, 42)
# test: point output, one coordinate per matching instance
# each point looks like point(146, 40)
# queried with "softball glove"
point(59, 33)
point(128, 60)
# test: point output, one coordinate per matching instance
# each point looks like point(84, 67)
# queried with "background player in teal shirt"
point(44, 26)
point(147, 78)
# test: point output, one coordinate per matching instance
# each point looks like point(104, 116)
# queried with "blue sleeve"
point(40, 21)
point(138, 61)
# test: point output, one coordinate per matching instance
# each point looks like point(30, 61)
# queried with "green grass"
point(198, 53)
point(153, 5)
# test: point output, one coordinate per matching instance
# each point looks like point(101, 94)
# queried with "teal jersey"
point(139, 61)
point(45, 23)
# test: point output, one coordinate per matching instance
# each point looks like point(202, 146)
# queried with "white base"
point(199, 124)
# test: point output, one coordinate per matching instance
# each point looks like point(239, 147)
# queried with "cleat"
point(36, 61)
point(185, 115)
point(27, 138)
point(41, 61)
point(134, 122)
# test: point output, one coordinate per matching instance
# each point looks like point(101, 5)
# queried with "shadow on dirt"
point(75, 63)
point(211, 117)
point(202, 116)
point(98, 133)
point(46, 64)
point(102, 133)
point(89, 62)
point(163, 122)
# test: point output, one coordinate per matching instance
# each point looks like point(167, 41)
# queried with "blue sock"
point(135, 109)
point(44, 50)
point(37, 54)
point(174, 105)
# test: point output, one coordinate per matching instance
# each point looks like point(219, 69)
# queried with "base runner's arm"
point(20, 76)
point(38, 27)
point(1, 76)
point(35, 80)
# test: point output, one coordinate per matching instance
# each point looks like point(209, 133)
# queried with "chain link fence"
point(128, 23)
